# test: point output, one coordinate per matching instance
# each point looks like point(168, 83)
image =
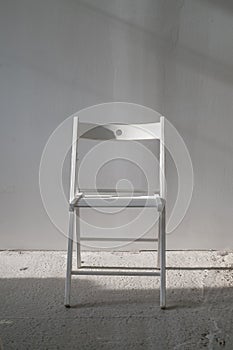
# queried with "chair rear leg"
point(78, 245)
point(69, 259)
point(162, 229)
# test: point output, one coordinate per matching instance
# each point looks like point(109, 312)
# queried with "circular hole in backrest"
point(119, 132)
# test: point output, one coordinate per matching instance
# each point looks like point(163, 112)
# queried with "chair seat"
point(117, 199)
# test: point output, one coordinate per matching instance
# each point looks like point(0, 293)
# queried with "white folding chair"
point(116, 132)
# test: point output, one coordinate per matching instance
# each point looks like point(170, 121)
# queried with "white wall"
point(59, 56)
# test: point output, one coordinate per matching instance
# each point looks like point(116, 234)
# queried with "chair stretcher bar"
point(115, 273)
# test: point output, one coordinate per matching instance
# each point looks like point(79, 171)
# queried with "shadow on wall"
point(226, 5)
point(33, 316)
point(197, 58)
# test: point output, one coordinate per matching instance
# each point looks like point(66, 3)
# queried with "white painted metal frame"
point(116, 132)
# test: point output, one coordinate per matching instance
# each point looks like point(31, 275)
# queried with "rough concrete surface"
point(116, 312)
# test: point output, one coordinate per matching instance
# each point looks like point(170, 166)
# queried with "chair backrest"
point(117, 132)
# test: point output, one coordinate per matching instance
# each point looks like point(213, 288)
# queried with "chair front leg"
point(158, 248)
point(162, 246)
point(69, 259)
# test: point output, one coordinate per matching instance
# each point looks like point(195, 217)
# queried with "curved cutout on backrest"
point(123, 132)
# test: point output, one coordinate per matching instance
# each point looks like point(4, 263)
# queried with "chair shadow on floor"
point(33, 308)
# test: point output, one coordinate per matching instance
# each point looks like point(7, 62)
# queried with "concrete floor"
point(116, 312)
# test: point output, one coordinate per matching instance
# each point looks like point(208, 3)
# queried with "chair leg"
point(162, 229)
point(78, 245)
point(158, 249)
point(69, 259)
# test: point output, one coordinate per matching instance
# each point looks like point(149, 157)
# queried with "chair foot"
point(67, 306)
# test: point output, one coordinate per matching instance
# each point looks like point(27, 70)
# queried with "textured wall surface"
point(58, 57)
